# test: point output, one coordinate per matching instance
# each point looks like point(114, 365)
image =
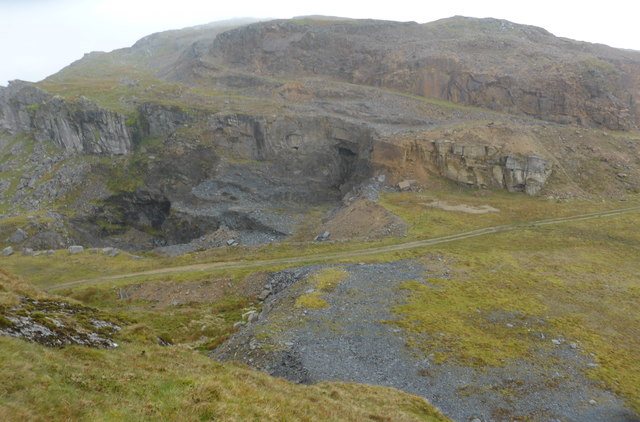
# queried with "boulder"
point(18, 236)
point(47, 252)
point(27, 252)
point(75, 249)
point(109, 251)
point(7, 251)
point(406, 185)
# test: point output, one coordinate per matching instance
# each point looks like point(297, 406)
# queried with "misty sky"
point(39, 37)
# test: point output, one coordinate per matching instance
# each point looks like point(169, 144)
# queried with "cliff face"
point(488, 167)
point(480, 62)
point(75, 127)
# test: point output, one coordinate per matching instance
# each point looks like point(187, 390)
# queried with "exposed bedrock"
point(75, 127)
point(488, 167)
point(252, 174)
point(471, 164)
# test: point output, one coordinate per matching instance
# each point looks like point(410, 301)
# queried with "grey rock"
point(84, 128)
point(75, 249)
point(18, 236)
point(48, 239)
point(7, 251)
point(55, 334)
point(230, 242)
point(264, 294)
point(47, 252)
point(109, 251)
point(27, 252)
point(365, 352)
point(252, 316)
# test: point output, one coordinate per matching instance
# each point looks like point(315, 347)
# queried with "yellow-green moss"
point(311, 301)
point(327, 279)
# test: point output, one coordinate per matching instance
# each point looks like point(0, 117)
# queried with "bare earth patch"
point(169, 293)
point(482, 209)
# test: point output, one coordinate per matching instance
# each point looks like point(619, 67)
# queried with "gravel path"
point(350, 341)
point(344, 254)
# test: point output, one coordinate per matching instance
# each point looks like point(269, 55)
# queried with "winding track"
point(346, 254)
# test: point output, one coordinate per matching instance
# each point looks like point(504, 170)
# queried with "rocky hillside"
point(232, 132)
point(483, 62)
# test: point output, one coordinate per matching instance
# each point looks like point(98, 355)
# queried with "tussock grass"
point(148, 382)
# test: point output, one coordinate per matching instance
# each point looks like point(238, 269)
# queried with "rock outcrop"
point(489, 167)
point(75, 127)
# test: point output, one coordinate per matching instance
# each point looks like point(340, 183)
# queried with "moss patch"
point(311, 301)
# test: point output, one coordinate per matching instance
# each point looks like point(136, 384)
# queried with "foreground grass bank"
point(143, 381)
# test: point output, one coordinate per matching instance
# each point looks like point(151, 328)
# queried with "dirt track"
point(345, 254)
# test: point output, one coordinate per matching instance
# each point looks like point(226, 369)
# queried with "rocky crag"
point(79, 127)
point(486, 167)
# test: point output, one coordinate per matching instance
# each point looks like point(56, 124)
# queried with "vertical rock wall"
point(488, 167)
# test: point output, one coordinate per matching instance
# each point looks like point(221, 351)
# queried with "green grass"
point(578, 280)
point(327, 279)
point(202, 326)
point(149, 382)
point(425, 221)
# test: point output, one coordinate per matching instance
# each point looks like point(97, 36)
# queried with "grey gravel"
point(349, 341)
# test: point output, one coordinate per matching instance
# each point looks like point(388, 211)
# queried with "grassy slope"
point(148, 382)
point(143, 381)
